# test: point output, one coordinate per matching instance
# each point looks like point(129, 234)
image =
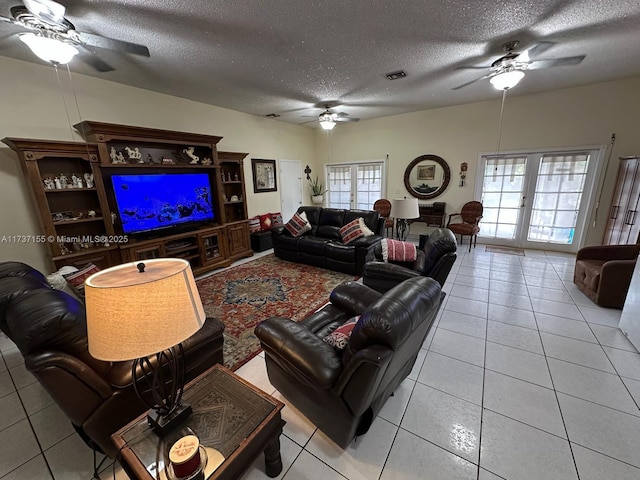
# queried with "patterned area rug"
point(245, 295)
point(506, 250)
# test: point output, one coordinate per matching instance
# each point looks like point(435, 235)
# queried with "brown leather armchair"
point(49, 328)
point(342, 391)
point(383, 207)
point(434, 260)
point(470, 215)
point(603, 273)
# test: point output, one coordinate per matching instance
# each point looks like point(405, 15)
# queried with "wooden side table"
point(229, 414)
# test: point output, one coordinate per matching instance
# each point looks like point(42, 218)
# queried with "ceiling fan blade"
point(469, 83)
point(539, 48)
point(346, 119)
point(93, 60)
point(471, 67)
point(556, 62)
point(112, 44)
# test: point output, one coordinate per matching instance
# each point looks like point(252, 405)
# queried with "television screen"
point(154, 201)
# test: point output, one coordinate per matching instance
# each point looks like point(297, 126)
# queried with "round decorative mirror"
point(427, 176)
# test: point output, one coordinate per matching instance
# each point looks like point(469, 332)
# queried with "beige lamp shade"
point(133, 314)
point(405, 208)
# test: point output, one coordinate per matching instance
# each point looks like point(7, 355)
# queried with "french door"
point(537, 200)
point(355, 185)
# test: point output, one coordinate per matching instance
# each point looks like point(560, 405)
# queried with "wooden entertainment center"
point(72, 188)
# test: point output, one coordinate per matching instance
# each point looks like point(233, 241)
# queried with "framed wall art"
point(426, 172)
point(264, 175)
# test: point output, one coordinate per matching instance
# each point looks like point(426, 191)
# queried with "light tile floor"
point(522, 377)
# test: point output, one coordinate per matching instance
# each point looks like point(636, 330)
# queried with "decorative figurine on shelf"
point(234, 198)
point(63, 180)
point(56, 183)
point(149, 158)
point(48, 183)
point(134, 154)
point(168, 161)
point(114, 217)
point(91, 213)
point(189, 152)
point(113, 155)
point(88, 179)
point(224, 197)
point(64, 250)
point(74, 181)
point(120, 158)
point(206, 161)
point(228, 176)
point(223, 175)
point(235, 176)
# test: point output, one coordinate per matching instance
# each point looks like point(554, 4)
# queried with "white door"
point(355, 185)
point(290, 187)
point(537, 200)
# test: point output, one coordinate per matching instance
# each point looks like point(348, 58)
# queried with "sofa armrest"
point(299, 351)
point(367, 242)
point(353, 298)
point(618, 272)
point(278, 230)
point(609, 252)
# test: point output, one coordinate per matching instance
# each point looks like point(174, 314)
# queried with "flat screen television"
point(150, 202)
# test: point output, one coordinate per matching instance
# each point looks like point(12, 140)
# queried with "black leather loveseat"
point(49, 328)
point(323, 246)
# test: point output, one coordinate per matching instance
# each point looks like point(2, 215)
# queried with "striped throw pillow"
point(254, 224)
point(298, 224)
point(354, 230)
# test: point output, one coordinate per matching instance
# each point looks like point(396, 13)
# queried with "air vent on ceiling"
point(272, 115)
point(396, 75)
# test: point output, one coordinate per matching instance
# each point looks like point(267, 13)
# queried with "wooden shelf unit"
point(69, 242)
point(206, 246)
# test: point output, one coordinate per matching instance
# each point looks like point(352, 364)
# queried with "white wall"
point(578, 116)
point(32, 107)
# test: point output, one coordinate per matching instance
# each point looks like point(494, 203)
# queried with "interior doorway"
point(290, 187)
point(537, 199)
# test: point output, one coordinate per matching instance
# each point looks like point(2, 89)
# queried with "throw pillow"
point(354, 230)
point(339, 338)
point(254, 224)
point(57, 280)
point(265, 222)
point(276, 219)
point(298, 224)
point(398, 251)
point(76, 279)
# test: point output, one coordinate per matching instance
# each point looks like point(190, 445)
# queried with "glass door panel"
point(535, 198)
point(356, 185)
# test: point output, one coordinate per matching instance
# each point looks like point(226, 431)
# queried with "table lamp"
point(143, 312)
point(404, 209)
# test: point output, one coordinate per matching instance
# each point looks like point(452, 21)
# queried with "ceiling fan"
point(54, 39)
point(328, 119)
point(508, 70)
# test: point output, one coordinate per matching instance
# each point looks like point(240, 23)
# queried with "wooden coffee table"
point(229, 415)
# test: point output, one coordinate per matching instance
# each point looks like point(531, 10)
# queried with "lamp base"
point(161, 425)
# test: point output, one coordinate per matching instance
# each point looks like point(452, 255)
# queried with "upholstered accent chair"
point(383, 207)
point(603, 273)
point(470, 216)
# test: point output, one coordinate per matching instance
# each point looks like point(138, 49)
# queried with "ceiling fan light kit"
point(507, 79)
point(326, 121)
point(49, 49)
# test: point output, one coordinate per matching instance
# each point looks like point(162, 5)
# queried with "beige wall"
point(579, 116)
point(32, 107)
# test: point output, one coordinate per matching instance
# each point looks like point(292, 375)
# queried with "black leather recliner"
point(341, 392)
point(435, 260)
point(49, 328)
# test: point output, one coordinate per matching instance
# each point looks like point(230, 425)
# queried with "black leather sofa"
point(49, 328)
point(323, 247)
point(341, 392)
point(434, 260)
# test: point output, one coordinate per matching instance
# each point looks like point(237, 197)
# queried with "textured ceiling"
point(289, 56)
